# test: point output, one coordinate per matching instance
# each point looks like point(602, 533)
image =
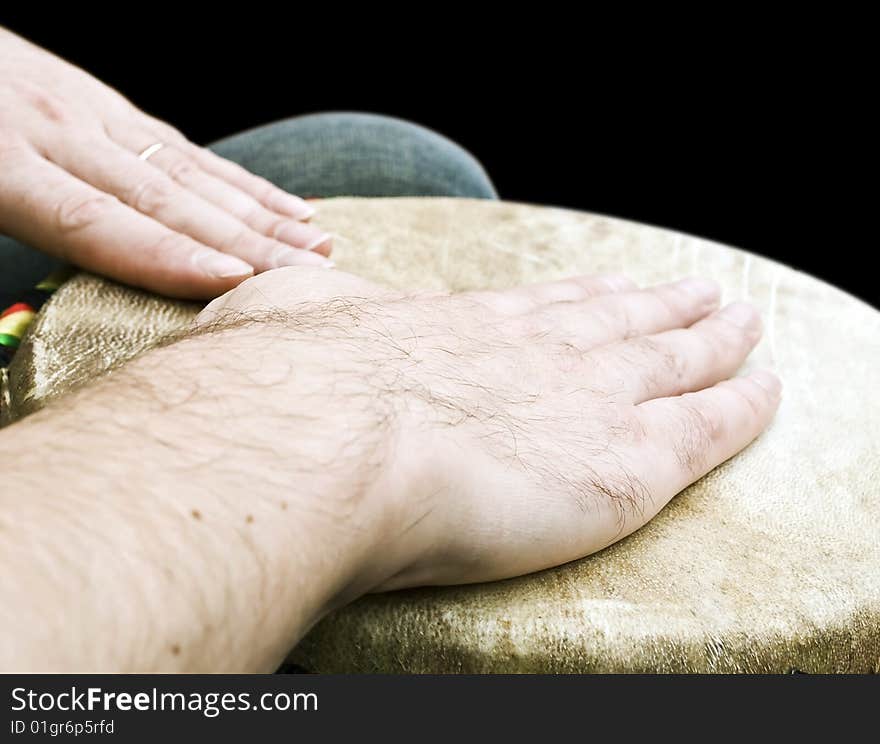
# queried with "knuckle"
point(711, 423)
point(711, 347)
point(660, 358)
point(569, 357)
point(605, 320)
point(570, 290)
point(616, 318)
point(168, 245)
point(613, 282)
point(182, 170)
point(162, 129)
point(151, 196)
point(728, 335)
point(629, 427)
point(669, 303)
point(701, 428)
point(50, 107)
point(80, 211)
point(722, 327)
point(627, 321)
point(618, 487)
point(532, 326)
point(752, 395)
point(171, 133)
point(245, 238)
point(263, 188)
point(11, 143)
point(256, 214)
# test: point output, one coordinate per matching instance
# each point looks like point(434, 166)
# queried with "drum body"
point(771, 563)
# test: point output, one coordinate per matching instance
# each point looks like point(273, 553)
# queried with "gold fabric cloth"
point(770, 563)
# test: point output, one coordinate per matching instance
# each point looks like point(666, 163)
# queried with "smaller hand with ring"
point(88, 177)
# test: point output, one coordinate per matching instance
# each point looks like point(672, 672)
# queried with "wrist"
point(207, 522)
point(378, 461)
point(335, 457)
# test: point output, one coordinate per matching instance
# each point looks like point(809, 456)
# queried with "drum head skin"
point(771, 563)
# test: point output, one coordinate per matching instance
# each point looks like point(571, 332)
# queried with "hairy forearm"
point(196, 510)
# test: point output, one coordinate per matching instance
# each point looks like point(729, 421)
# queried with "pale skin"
point(316, 436)
point(319, 437)
point(185, 223)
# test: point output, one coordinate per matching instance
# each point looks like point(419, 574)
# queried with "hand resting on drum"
point(316, 437)
point(90, 178)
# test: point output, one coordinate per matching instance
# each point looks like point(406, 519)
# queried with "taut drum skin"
point(771, 563)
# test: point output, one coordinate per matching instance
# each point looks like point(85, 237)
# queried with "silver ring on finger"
point(151, 150)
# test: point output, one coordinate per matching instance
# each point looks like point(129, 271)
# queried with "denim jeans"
point(331, 154)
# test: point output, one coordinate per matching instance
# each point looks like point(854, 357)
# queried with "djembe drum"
point(771, 563)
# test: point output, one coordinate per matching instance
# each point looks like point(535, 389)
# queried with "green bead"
point(8, 341)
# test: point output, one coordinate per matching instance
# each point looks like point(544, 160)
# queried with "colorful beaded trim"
point(16, 318)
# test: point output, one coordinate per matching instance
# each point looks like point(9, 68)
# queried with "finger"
point(137, 138)
point(177, 162)
point(114, 170)
point(241, 205)
point(261, 189)
point(681, 360)
point(183, 162)
point(673, 442)
point(618, 316)
point(576, 289)
point(48, 208)
point(691, 434)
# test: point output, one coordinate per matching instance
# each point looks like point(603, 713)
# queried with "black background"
point(745, 131)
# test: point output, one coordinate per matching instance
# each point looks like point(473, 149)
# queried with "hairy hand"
point(185, 222)
point(525, 428)
point(316, 437)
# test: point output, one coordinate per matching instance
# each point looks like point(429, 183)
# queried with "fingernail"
point(300, 257)
point(301, 236)
point(293, 206)
point(221, 265)
point(324, 239)
point(740, 314)
point(704, 289)
point(767, 380)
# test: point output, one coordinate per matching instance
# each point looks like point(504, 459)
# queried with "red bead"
point(16, 308)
